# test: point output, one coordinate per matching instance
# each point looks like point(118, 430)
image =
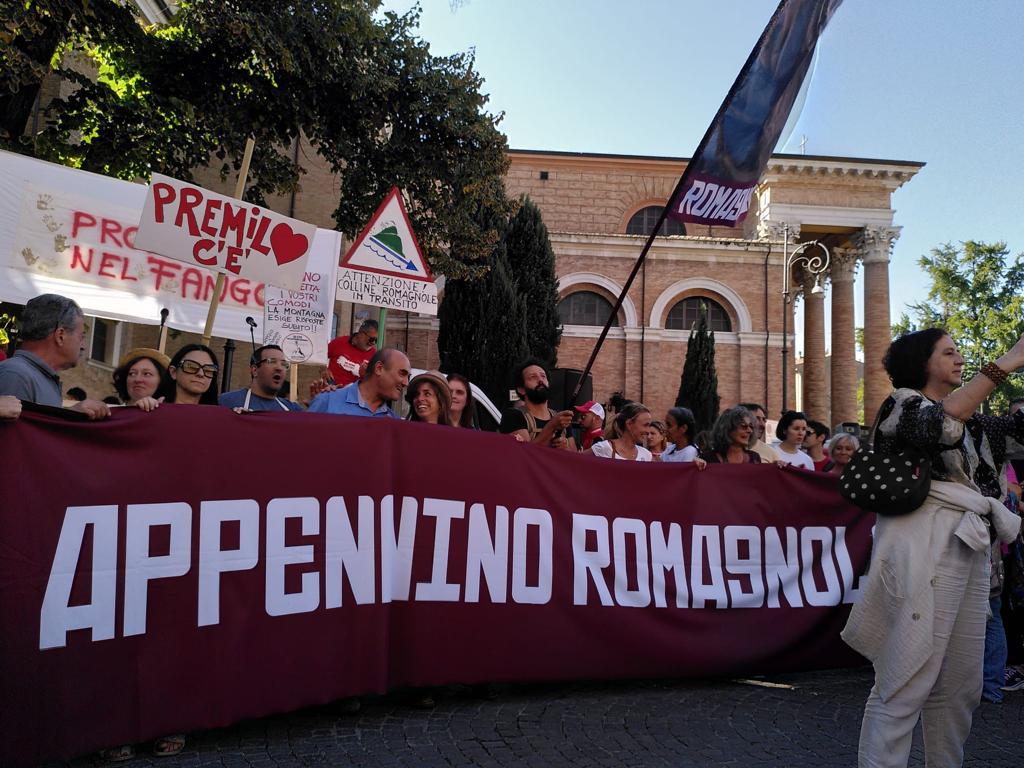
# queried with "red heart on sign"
point(288, 246)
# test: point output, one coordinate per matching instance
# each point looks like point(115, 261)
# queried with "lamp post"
point(815, 265)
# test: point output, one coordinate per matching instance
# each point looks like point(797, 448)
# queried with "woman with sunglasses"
point(191, 376)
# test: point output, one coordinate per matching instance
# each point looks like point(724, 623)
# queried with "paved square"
point(785, 720)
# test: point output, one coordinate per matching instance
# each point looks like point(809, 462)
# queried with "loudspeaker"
point(563, 382)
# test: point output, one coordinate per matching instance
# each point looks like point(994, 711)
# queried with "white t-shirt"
point(689, 453)
point(604, 450)
point(798, 459)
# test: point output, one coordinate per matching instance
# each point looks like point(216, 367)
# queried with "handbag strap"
point(930, 454)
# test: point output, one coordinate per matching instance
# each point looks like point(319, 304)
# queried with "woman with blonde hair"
point(630, 433)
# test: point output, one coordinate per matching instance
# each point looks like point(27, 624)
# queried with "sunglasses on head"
point(192, 367)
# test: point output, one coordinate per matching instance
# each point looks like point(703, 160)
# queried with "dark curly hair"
point(121, 375)
point(906, 360)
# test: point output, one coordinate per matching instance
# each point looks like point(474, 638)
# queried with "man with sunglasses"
point(268, 367)
point(52, 339)
point(349, 355)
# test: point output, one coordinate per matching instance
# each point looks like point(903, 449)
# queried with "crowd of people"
point(366, 381)
point(940, 580)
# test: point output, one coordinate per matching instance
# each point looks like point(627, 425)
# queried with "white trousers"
point(947, 689)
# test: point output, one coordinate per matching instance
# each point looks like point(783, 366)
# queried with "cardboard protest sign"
point(385, 267)
point(71, 232)
point(300, 321)
point(186, 222)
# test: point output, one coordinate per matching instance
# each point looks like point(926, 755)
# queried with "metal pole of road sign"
point(382, 318)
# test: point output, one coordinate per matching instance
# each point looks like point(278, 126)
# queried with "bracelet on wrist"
point(995, 373)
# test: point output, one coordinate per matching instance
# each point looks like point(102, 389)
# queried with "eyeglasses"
point(272, 361)
point(192, 367)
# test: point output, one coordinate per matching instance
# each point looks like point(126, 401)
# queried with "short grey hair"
point(838, 437)
point(45, 314)
point(728, 422)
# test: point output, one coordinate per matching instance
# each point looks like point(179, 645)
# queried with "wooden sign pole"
point(293, 382)
point(243, 176)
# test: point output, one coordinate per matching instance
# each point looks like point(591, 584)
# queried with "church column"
point(815, 393)
point(876, 243)
point(843, 374)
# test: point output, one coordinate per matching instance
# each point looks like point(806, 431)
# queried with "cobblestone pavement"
point(806, 719)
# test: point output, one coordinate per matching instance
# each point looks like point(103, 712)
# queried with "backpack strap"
point(531, 423)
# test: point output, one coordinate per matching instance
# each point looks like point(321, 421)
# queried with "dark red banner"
point(192, 567)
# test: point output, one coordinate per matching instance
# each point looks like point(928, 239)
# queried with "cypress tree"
point(532, 263)
point(482, 318)
point(698, 386)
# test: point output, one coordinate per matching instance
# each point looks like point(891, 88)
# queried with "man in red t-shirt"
point(349, 355)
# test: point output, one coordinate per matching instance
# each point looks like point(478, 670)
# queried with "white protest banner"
point(385, 267)
point(300, 321)
point(72, 232)
point(186, 222)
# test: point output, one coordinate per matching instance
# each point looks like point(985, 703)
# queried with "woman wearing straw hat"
point(429, 398)
point(138, 376)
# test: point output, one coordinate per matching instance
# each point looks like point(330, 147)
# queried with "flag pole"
point(622, 295)
point(243, 176)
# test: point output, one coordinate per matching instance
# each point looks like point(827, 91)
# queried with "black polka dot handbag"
point(887, 483)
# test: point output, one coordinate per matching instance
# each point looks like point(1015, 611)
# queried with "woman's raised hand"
point(1014, 358)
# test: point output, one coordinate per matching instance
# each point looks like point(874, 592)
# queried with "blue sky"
point(928, 80)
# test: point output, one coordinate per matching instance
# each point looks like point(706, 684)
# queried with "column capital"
point(776, 230)
point(843, 267)
point(876, 243)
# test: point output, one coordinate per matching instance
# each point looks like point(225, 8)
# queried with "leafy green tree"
point(698, 386)
point(376, 105)
point(532, 262)
point(976, 295)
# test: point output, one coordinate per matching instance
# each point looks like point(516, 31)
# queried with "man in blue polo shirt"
point(52, 340)
point(387, 374)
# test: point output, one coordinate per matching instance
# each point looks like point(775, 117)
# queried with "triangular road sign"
point(387, 245)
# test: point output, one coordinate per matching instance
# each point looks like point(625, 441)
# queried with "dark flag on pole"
point(719, 181)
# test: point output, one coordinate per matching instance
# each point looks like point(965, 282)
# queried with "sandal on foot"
point(118, 754)
point(169, 746)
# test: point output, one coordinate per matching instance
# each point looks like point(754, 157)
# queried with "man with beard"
point(267, 367)
point(535, 422)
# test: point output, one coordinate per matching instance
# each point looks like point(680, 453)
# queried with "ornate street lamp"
point(814, 265)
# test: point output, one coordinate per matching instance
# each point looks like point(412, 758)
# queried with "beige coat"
point(892, 624)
